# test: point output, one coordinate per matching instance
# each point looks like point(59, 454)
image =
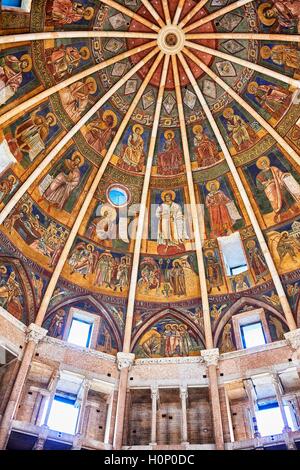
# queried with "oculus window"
point(118, 196)
point(253, 335)
point(80, 332)
point(233, 254)
point(63, 416)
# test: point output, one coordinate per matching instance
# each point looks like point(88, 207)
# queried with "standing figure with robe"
point(206, 149)
point(282, 54)
point(223, 213)
point(68, 12)
point(271, 98)
point(133, 153)
point(11, 74)
point(171, 227)
point(256, 260)
point(177, 279)
point(213, 271)
point(277, 186)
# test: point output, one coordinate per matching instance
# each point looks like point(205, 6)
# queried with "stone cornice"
point(90, 352)
point(169, 360)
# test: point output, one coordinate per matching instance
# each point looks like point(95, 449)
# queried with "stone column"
point(229, 416)
point(154, 398)
point(82, 401)
point(248, 385)
point(33, 335)
point(124, 361)
point(41, 439)
point(184, 429)
point(211, 358)
point(278, 391)
point(45, 396)
point(108, 417)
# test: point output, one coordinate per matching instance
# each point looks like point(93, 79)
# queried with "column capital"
point(154, 391)
point(210, 356)
point(183, 392)
point(293, 338)
point(125, 360)
point(35, 333)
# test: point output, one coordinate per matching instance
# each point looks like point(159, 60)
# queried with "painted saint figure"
point(223, 213)
point(240, 132)
point(286, 13)
point(64, 60)
point(133, 153)
point(177, 279)
point(273, 99)
point(76, 97)
point(282, 54)
point(213, 271)
point(169, 162)
point(277, 185)
point(67, 12)
point(206, 149)
point(100, 130)
point(64, 183)
point(171, 227)
point(256, 260)
point(11, 74)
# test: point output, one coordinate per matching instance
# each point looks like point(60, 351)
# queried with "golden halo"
point(53, 117)
point(109, 112)
point(260, 162)
point(111, 211)
point(167, 133)
point(265, 52)
point(197, 129)
point(261, 14)
point(78, 155)
point(252, 88)
point(90, 247)
point(137, 126)
point(210, 183)
point(25, 208)
point(85, 53)
point(3, 269)
point(93, 82)
point(88, 13)
point(239, 277)
point(250, 244)
point(207, 253)
point(27, 58)
point(12, 178)
point(172, 194)
point(228, 112)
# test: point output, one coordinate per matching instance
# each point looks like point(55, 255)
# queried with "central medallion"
point(171, 39)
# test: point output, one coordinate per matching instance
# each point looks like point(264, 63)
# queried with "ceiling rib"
point(35, 174)
point(246, 36)
point(193, 209)
point(166, 11)
point(192, 13)
point(79, 76)
point(13, 38)
point(280, 140)
point(216, 14)
point(259, 234)
point(143, 209)
point(178, 11)
point(245, 63)
point(73, 233)
point(153, 12)
point(131, 14)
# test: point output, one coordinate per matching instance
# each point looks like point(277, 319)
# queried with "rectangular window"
point(6, 157)
point(12, 3)
point(233, 254)
point(253, 335)
point(63, 415)
point(80, 332)
point(269, 419)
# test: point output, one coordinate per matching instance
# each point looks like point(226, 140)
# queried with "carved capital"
point(35, 333)
point(125, 360)
point(210, 356)
point(154, 392)
point(183, 393)
point(293, 339)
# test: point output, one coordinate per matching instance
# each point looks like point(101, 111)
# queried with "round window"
point(117, 196)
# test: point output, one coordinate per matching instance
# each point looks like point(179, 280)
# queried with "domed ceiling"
point(118, 111)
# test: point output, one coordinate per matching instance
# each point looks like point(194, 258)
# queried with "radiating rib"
point(35, 174)
point(178, 11)
point(245, 63)
point(13, 38)
point(143, 208)
point(259, 234)
point(130, 13)
point(153, 12)
point(245, 36)
point(280, 140)
point(216, 14)
point(73, 233)
point(193, 209)
point(192, 13)
point(79, 76)
point(166, 11)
